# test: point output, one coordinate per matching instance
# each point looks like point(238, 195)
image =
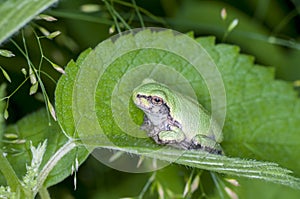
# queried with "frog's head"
point(153, 98)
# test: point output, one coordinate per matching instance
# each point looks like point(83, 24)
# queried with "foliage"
point(260, 130)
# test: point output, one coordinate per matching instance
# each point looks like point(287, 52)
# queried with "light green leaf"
point(5, 74)
point(6, 53)
point(35, 128)
point(46, 17)
point(51, 109)
point(2, 108)
point(94, 99)
point(232, 25)
point(51, 36)
point(63, 95)
point(6, 114)
point(33, 88)
point(15, 14)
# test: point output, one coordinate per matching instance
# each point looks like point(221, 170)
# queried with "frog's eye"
point(157, 100)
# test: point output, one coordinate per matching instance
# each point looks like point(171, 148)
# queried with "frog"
point(171, 118)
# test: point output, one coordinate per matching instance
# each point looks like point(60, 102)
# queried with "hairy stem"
point(66, 148)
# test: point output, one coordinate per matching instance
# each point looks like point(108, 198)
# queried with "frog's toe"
point(170, 137)
point(206, 143)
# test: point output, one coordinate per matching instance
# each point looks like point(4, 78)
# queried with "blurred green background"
point(268, 30)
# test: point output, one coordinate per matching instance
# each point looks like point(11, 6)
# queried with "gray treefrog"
point(177, 120)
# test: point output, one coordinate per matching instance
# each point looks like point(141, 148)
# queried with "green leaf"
point(33, 89)
point(63, 95)
point(9, 174)
point(15, 14)
point(52, 36)
point(6, 114)
point(46, 17)
point(2, 108)
point(35, 128)
point(232, 25)
point(248, 187)
point(262, 113)
point(94, 98)
point(6, 53)
point(51, 109)
point(5, 74)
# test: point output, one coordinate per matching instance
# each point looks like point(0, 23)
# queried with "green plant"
point(52, 153)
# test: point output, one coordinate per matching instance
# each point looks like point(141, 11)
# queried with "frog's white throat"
point(157, 119)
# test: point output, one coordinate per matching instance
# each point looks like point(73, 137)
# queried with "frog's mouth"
point(142, 102)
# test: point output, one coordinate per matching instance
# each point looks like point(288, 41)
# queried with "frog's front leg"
point(206, 143)
point(172, 136)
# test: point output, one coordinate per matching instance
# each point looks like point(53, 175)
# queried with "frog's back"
point(196, 120)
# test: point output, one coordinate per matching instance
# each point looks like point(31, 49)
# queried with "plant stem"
point(66, 148)
point(44, 194)
point(138, 13)
point(216, 181)
point(146, 187)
